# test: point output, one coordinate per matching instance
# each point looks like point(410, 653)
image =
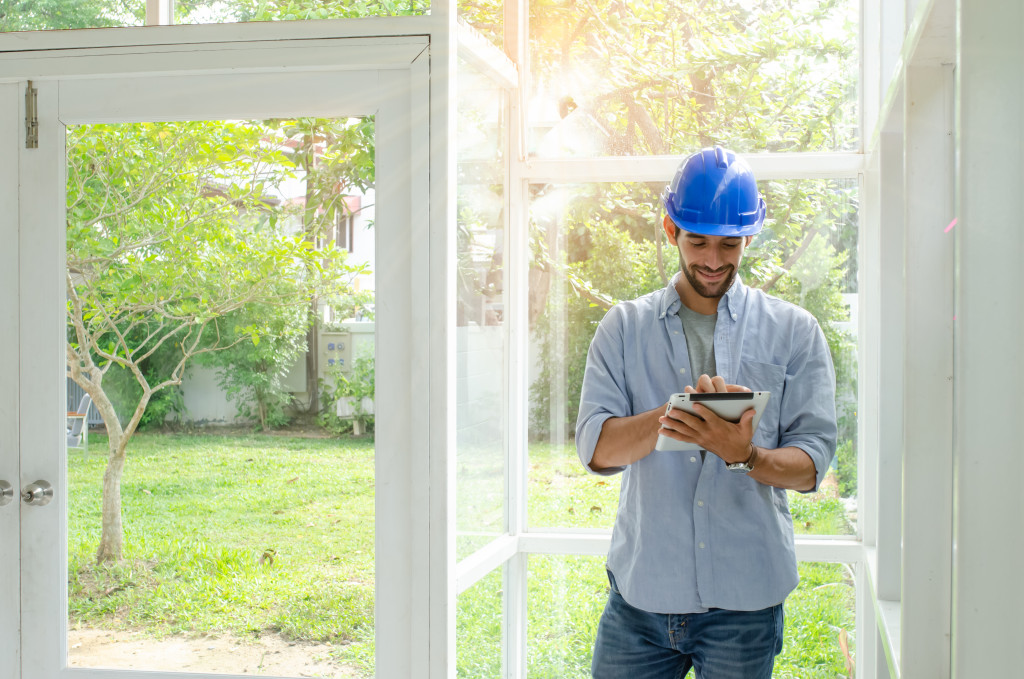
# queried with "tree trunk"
point(261, 405)
point(313, 362)
point(309, 226)
point(112, 537)
point(111, 546)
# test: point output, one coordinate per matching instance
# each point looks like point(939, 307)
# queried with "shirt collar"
point(670, 302)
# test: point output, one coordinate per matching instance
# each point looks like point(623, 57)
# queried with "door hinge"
point(31, 117)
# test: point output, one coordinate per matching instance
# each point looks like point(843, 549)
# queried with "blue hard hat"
point(714, 193)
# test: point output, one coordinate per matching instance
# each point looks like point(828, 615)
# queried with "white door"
point(238, 81)
point(9, 463)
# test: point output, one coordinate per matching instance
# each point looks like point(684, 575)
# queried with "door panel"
point(11, 97)
point(42, 407)
point(401, 183)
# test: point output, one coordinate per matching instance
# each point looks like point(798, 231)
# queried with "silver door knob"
point(6, 493)
point(37, 494)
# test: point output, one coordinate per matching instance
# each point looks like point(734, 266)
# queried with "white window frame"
point(511, 551)
point(909, 268)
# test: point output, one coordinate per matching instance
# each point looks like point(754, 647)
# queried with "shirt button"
point(734, 317)
point(701, 545)
point(682, 371)
point(693, 459)
point(700, 503)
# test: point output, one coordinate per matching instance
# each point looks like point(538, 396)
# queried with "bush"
point(252, 369)
point(357, 384)
point(846, 468)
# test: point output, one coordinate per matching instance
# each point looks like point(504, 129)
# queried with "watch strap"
point(747, 466)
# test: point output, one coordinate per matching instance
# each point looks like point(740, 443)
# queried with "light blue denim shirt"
point(688, 535)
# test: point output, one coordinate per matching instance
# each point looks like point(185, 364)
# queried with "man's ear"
point(670, 228)
point(749, 239)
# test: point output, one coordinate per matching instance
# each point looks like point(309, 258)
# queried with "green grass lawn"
point(240, 535)
point(250, 535)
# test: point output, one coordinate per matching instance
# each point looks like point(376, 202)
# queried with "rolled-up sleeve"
point(604, 394)
point(808, 415)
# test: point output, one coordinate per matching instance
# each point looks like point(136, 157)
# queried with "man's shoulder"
point(778, 308)
point(640, 307)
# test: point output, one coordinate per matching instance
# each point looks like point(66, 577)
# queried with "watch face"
point(739, 467)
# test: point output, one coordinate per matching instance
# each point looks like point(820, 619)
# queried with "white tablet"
point(729, 406)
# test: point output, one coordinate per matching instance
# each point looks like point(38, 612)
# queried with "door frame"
point(89, 85)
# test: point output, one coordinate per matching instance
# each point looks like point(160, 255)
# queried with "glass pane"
point(567, 595)
point(597, 243)
point(615, 78)
point(481, 333)
point(223, 11)
point(479, 628)
point(221, 510)
point(41, 15)
point(820, 639)
point(37, 15)
point(486, 16)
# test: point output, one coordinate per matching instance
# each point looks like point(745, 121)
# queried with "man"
point(702, 553)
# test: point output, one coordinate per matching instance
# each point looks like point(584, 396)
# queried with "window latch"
point(31, 117)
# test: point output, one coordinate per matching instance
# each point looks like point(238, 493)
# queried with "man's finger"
point(718, 383)
point(704, 384)
point(736, 387)
point(676, 429)
point(683, 416)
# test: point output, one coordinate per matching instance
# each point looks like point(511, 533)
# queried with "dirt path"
point(269, 655)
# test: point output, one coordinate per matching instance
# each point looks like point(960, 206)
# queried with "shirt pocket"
point(771, 378)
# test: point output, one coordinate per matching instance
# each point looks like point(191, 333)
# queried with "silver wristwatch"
point(744, 467)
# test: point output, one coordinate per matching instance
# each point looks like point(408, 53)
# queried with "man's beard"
point(703, 290)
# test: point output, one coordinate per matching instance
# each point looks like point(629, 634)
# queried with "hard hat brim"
point(756, 222)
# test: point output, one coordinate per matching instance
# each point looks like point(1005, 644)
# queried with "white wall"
point(204, 400)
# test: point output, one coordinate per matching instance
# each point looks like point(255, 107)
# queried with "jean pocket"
point(611, 582)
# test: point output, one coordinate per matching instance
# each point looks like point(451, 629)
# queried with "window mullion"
point(159, 12)
point(517, 266)
point(766, 166)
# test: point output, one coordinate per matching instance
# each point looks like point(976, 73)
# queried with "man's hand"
point(706, 384)
point(729, 440)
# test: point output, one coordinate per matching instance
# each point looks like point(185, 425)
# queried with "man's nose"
point(714, 260)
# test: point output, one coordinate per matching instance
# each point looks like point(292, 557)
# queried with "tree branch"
point(791, 260)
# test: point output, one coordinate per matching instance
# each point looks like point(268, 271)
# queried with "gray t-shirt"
point(700, 341)
point(699, 331)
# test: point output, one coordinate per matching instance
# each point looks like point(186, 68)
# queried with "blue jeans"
point(719, 644)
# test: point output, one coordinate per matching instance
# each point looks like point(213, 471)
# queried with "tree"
point(252, 375)
point(172, 233)
point(35, 15)
point(38, 15)
point(335, 157)
point(668, 78)
point(300, 10)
